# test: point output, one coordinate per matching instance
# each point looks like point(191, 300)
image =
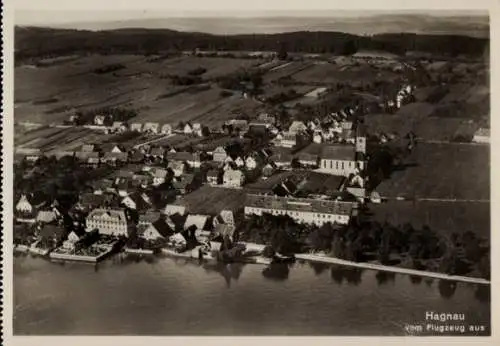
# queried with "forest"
point(35, 42)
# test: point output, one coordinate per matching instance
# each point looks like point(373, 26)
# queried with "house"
point(172, 209)
point(89, 201)
point(266, 118)
point(63, 153)
point(281, 158)
point(197, 129)
point(148, 218)
point(188, 129)
point(317, 137)
point(213, 177)
point(233, 178)
point(219, 154)
point(88, 148)
point(287, 140)
point(239, 162)
point(70, 242)
point(137, 201)
point(302, 210)
point(119, 126)
point(166, 129)
point(252, 162)
point(178, 241)
point(102, 185)
point(137, 156)
point(32, 202)
point(269, 169)
point(99, 120)
point(136, 127)
point(177, 168)
point(482, 136)
point(297, 127)
point(186, 183)
point(108, 221)
point(199, 221)
point(360, 138)
point(152, 128)
point(159, 176)
point(114, 158)
point(51, 236)
point(340, 160)
point(156, 230)
point(46, 216)
point(192, 159)
point(157, 153)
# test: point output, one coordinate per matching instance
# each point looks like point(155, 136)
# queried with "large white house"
point(112, 221)
point(302, 210)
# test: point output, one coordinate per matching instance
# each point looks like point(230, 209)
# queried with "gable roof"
point(185, 180)
point(149, 216)
point(46, 216)
point(338, 152)
point(88, 147)
point(158, 151)
point(199, 221)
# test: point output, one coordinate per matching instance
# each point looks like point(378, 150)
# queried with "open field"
point(209, 200)
point(431, 128)
point(50, 139)
point(327, 73)
point(443, 217)
point(47, 94)
point(451, 171)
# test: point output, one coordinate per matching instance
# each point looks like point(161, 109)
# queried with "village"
point(316, 167)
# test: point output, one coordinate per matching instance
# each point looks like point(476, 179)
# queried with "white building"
point(482, 136)
point(296, 127)
point(112, 222)
point(166, 129)
point(302, 210)
point(341, 160)
point(233, 178)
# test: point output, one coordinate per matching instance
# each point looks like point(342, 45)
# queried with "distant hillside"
point(468, 25)
point(33, 42)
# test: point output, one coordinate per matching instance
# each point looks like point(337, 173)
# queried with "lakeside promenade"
point(380, 267)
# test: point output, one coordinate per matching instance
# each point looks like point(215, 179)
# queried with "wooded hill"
point(35, 42)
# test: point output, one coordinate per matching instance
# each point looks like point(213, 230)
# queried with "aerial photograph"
point(271, 174)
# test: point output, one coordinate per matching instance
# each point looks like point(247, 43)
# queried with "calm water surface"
point(164, 296)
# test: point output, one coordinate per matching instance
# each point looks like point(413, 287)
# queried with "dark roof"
point(186, 179)
point(149, 216)
point(178, 221)
point(50, 230)
point(157, 152)
point(182, 156)
point(90, 199)
point(117, 156)
point(163, 228)
point(338, 152)
point(38, 198)
point(137, 156)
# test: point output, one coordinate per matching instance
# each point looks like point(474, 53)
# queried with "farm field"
point(444, 217)
point(47, 94)
point(50, 139)
point(209, 200)
point(461, 172)
point(325, 73)
point(431, 128)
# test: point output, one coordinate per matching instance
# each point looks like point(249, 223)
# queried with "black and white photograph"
point(249, 171)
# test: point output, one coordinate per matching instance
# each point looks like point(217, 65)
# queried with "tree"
point(282, 54)
point(349, 48)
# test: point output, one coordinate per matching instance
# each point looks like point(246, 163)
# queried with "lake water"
point(165, 296)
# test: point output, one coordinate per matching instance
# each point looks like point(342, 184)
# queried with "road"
point(452, 200)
